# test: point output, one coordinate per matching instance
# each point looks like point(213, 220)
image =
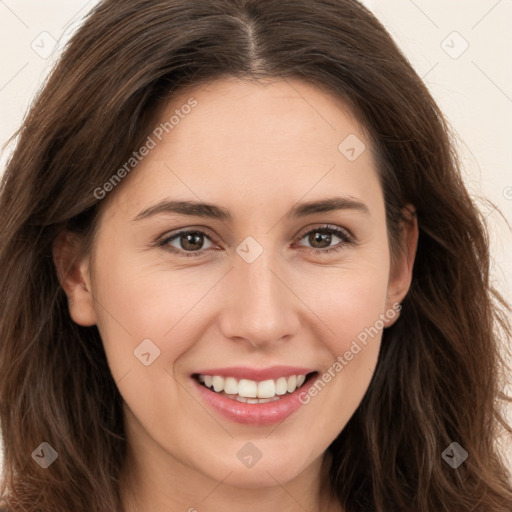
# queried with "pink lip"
point(253, 414)
point(257, 374)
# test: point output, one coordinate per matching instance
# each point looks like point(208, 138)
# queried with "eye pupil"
point(190, 240)
point(317, 236)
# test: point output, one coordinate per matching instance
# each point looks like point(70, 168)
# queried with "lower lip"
point(254, 414)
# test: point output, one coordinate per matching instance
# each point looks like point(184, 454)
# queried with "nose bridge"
point(259, 306)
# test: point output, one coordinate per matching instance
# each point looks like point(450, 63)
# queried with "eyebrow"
point(212, 211)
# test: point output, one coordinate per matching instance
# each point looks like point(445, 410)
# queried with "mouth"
point(254, 396)
point(250, 391)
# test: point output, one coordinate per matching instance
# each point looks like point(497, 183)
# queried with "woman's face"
point(260, 286)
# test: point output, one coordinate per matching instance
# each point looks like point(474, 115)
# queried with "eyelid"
point(331, 227)
point(162, 240)
point(345, 235)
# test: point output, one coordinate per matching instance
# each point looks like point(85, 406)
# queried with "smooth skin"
point(257, 150)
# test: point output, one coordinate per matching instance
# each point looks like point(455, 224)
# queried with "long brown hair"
point(440, 370)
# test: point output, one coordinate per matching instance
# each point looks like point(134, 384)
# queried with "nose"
point(258, 305)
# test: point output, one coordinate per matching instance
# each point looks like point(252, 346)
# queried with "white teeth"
point(248, 388)
point(282, 385)
point(266, 389)
point(255, 400)
point(250, 391)
point(218, 383)
point(231, 386)
point(292, 383)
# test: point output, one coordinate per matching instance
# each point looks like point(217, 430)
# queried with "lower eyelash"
point(344, 236)
point(346, 239)
point(163, 243)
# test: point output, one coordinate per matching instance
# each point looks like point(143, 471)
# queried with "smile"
point(254, 396)
point(251, 391)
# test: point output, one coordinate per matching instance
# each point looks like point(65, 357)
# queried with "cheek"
point(346, 299)
point(135, 304)
point(350, 302)
point(142, 319)
point(141, 288)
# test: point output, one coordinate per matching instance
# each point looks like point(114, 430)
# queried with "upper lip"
point(257, 374)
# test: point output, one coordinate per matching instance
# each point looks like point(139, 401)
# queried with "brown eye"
point(316, 237)
point(186, 242)
point(191, 241)
point(320, 239)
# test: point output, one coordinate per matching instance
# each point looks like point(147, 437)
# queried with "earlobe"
point(401, 271)
point(74, 277)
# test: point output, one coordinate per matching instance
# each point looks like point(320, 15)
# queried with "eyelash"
point(346, 239)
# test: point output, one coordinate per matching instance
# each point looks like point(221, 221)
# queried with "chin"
point(262, 475)
point(271, 469)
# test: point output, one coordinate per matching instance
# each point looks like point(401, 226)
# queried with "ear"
point(73, 271)
point(400, 277)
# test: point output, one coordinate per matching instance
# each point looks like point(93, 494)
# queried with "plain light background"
point(460, 49)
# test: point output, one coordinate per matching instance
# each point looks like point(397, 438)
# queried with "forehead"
point(279, 139)
point(279, 115)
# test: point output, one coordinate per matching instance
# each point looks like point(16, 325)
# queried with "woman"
point(179, 328)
